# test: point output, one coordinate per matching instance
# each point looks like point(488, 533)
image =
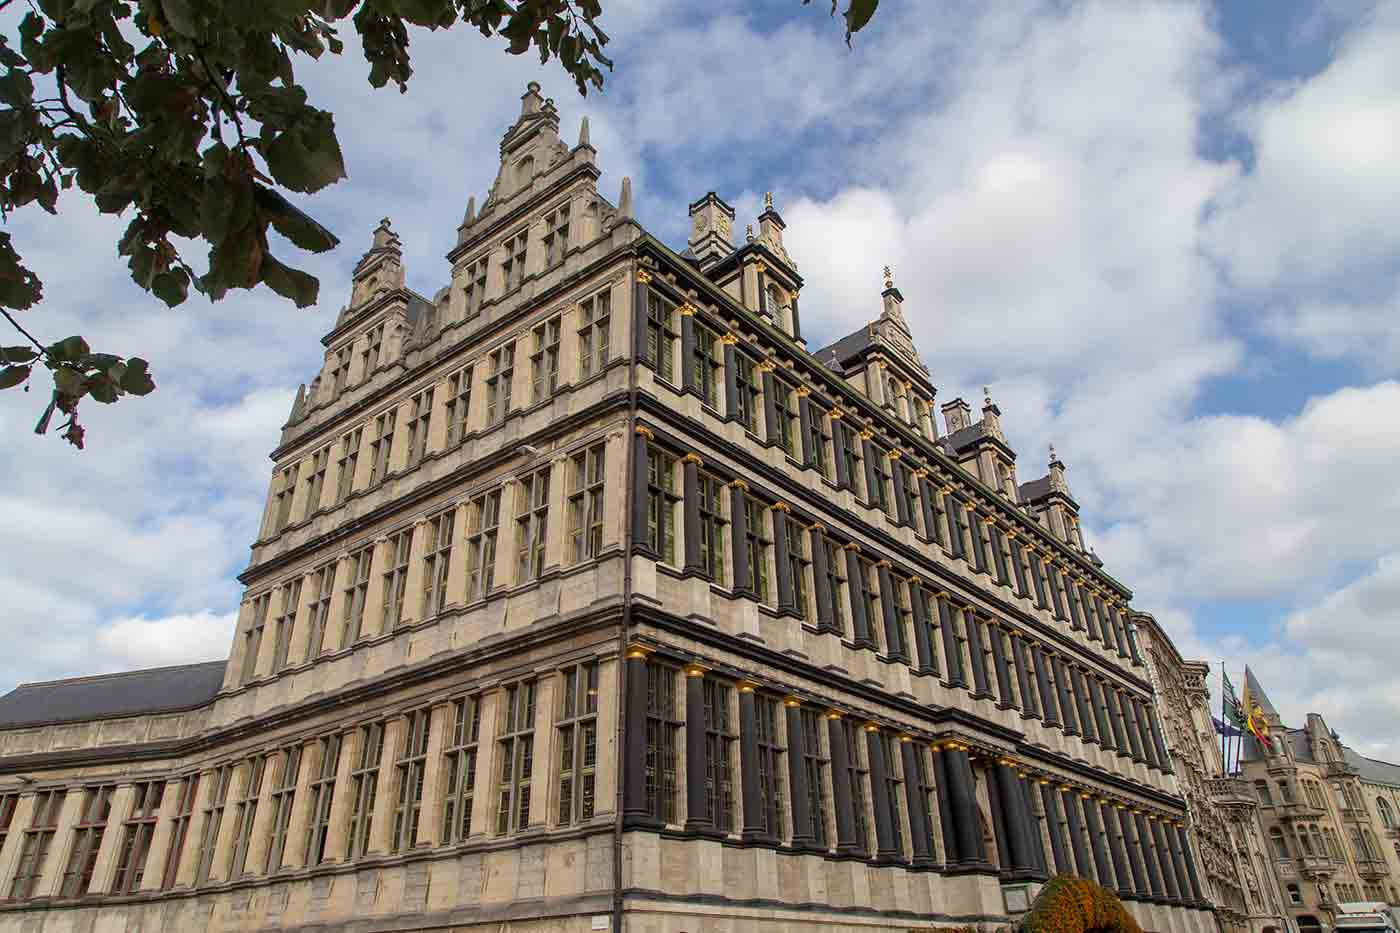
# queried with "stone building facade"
point(1237, 865)
point(587, 597)
point(1329, 815)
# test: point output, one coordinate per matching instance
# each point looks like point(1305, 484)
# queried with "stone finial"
point(889, 278)
point(624, 200)
point(384, 236)
point(748, 232)
point(767, 200)
point(583, 134)
point(1053, 458)
point(530, 101)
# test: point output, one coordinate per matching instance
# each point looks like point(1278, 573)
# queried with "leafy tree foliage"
point(186, 116)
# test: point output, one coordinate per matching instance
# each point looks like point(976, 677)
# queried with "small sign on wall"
point(600, 922)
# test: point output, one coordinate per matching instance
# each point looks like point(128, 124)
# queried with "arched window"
point(1387, 815)
point(1280, 844)
point(1295, 896)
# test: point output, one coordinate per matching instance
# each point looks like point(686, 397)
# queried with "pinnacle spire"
point(470, 216)
point(624, 201)
point(583, 134)
point(1257, 694)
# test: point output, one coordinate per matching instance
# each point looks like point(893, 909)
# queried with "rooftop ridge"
point(89, 678)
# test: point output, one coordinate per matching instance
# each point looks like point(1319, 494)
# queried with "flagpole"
point(1225, 723)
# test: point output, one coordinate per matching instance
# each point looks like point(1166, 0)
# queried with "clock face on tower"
point(702, 223)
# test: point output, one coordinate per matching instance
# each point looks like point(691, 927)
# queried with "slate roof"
point(1257, 694)
point(106, 696)
point(1381, 772)
point(847, 347)
point(963, 437)
point(1035, 489)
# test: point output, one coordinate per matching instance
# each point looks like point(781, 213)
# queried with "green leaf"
point(18, 355)
point(69, 350)
point(136, 379)
point(306, 158)
point(69, 381)
point(292, 223)
point(12, 376)
point(16, 88)
point(102, 389)
point(857, 15)
point(19, 288)
point(290, 283)
point(180, 15)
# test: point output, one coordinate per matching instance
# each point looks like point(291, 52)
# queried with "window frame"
point(576, 730)
point(585, 496)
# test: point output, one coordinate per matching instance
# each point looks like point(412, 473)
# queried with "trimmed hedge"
point(1077, 905)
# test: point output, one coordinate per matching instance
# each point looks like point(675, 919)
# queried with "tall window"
point(500, 371)
point(556, 236)
point(869, 595)
point(758, 544)
point(719, 755)
point(709, 362)
point(346, 463)
point(286, 620)
point(894, 787)
point(586, 503)
point(789, 428)
point(474, 289)
point(184, 810)
point(286, 488)
point(483, 526)
point(137, 830)
point(595, 319)
point(420, 421)
point(770, 765)
point(910, 491)
point(905, 614)
point(513, 268)
point(578, 744)
point(820, 439)
point(396, 577)
point(356, 590)
point(364, 780)
point(437, 561)
point(797, 563)
point(374, 342)
point(928, 797)
point(517, 751)
point(245, 813)
point(282, 801)
point(661, 336)
point(661, 504)
point(835, 580)
point(460, 763)
point(8, 804)
point(1279, 843)
point(746, 383)
point(252, 641)
point(849, 452)
point(339, 371)
point(87, 840)
point(322, 586)
point(662, 727)
point(408, 779)
point(531, 525)
point(544, 362)
point(712, 527)
point(459, 404)
point(879, 496)
point(1261, 790)
point(34, 850)
point(213, 818)
point(817, 767)
point(857, 774)
point(316, 479)
point(322, 793)
point(382, 447)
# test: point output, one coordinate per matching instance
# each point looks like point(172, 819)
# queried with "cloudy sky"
point(1165, 234)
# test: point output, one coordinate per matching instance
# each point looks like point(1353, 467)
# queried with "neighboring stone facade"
point(1329, 815)
point(1235, 859)
point(587, 598)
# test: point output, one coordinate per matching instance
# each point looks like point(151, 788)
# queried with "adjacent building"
point(1330, 815)
point(1237, 864)
point(588, 596)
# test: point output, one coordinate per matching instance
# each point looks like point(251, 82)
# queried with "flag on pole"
point(1254, 720)
point(1225, 729)
point(1234, 710)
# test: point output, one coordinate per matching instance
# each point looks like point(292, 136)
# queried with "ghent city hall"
point(589, 597)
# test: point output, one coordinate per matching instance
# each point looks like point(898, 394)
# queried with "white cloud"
point(177, 639)
point(1369, 332)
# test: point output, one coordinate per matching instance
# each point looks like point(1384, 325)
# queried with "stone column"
point(923, 644)
point(1164, 758)
point(1135, 855)
point(884, 807)
point(51, 872)
point(337, 833)
point(1098, 840)
point(697, 809)
point(947, 822)
point(844, 480)
point(872, 476)
point(1164, 859)
point(688, 374)
point(926, 493)
point(221, 864)
point(1130, 722)
point(920, 827)
point(901, 483)
point(787, 590)
point(846, 842)
point(640, 469)
point(1113, 700)
point(739, 538)
point(731, 378)
point(1081, 695)
point(1050, 801)
point(294, 849)
point(1184, 844)
point(488, 751)
point(1016, 856)
point(981, 686)
point(770, 404)
point(860, 625)
point(634, 798)
point(381, 827)
point(1067, 704)
point(1078, 842)
point(1149, 856)
point(545, 707)
point(1096, 694)
point(429, 822)
point(261, 834)
point(188, 866)
point(153, 872)
point(1123, 849)
point(690, 470)
point(821, 585)
point(804, 424)
point(799, 792)
point(963, 800)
